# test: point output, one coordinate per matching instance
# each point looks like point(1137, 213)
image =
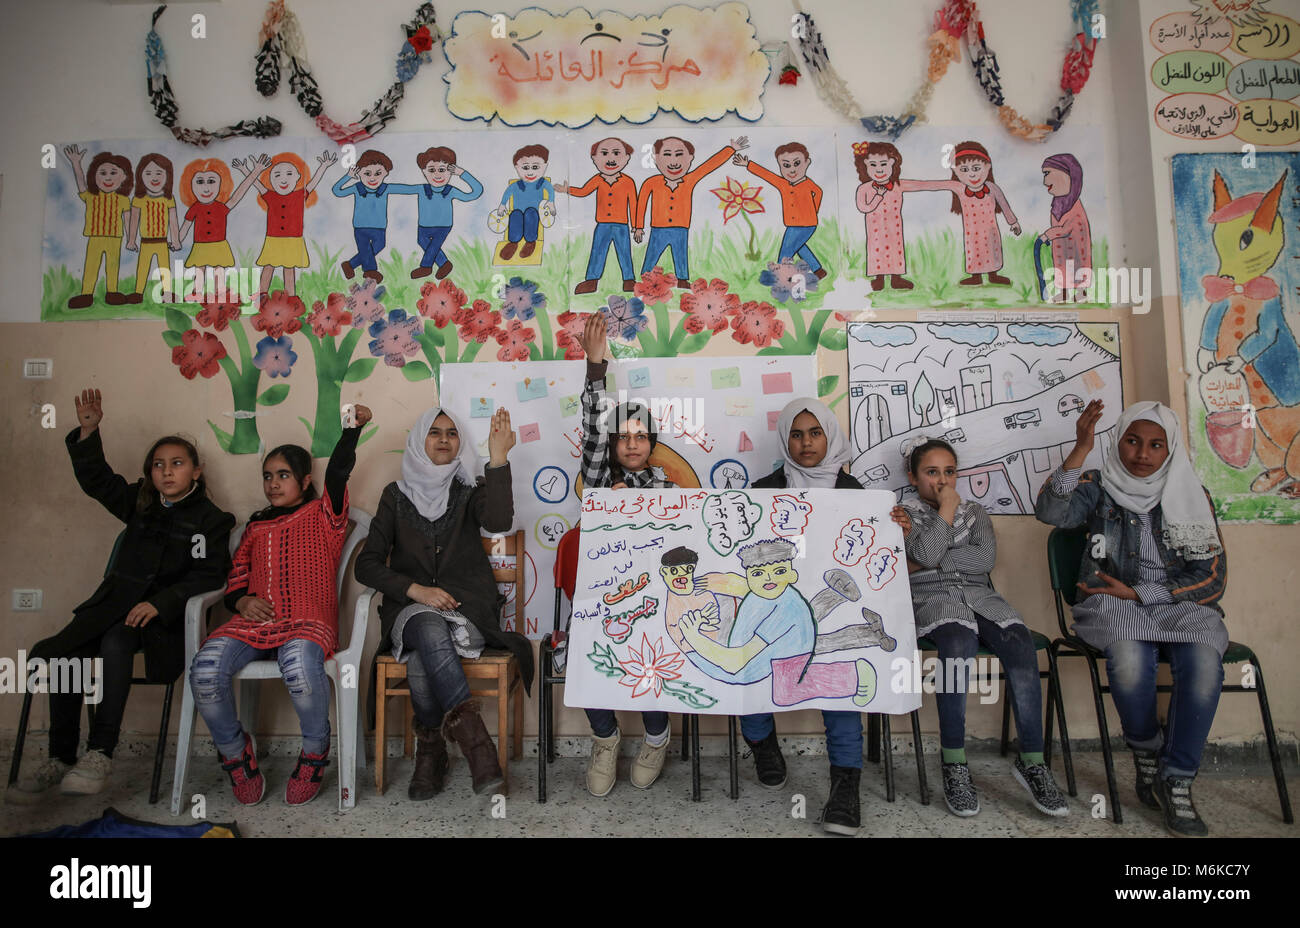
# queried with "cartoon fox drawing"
point(1246, 332)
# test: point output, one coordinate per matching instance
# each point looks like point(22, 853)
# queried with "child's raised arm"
point(323, 164)
point(344, 458)
point(595, 405)
point(74, 155)
point(1066, 499)
point(255, 167)
point(95, 477)
point(494, 508)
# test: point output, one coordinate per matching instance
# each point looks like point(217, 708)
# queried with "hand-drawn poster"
point(1227, 69)
point(573, 67)
point(716, 416)
point(1005, 396)
point(1239, 276)
point(741, 601)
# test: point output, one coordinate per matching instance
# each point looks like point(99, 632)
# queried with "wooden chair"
point(498, 668)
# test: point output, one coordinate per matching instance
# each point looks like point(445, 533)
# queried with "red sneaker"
point(305, 782)
point(245, 779)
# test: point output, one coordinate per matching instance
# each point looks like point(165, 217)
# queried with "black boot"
point(1181, 818)
point(1147, 764)
point(768, 762)
point(430, 764)
point(464, 726)
point(841, 814)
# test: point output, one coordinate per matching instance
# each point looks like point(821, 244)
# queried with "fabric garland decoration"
point(167, 109)
point(281, 38)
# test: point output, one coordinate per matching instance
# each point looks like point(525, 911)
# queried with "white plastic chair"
point(348, 719)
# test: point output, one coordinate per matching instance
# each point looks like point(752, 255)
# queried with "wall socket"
point(27, 600)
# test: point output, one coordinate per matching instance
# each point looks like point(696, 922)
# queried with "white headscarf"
point(1188, 521)
point(427, 484)
point(838, 452)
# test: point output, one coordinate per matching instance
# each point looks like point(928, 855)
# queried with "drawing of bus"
point(879, 472)
point(1052, 379)
point(953, 435)
point(1023, 419)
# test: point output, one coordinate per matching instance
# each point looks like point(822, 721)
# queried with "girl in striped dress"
point(950, 550)
point(105, 188)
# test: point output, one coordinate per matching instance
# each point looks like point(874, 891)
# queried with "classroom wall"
point(57, 540)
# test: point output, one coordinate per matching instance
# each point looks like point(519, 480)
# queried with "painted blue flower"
point(623, 317)
point(393, 338)
point(521, 299)
point(785, 279)
point(275, 356)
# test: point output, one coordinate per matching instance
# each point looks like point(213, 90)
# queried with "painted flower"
point(738, 196)
point(789, 75)
point(422, 40)
point(478, 322)
point(329, 317)
point(363, 303)
point(624, 317)
point(655, 286)
point(646, 669)
point(275, 356)
point(521, 299)
point(218, 315)
point(569, 335)
point(514, 341)
point(756, 322)
point(708, 305)
point(279, 314)
point(440, 302)
point(198, 353)
point(792, 278)
point(393, 338)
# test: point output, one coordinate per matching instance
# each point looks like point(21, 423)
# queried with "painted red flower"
point(569, 335)
point(655, 287)
point(756, 322)
point(478, 322)
point(440, 302)
point(789, 75)
point(279, 314)
point(708, 305)
point(328, 318)
point(198, 353)
point(514, 342)
point(218, 315)
point(422, 40)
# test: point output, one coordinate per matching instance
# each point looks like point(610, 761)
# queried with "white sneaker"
point(35, 785)
point(649, 762)
point(602, 769)
point(89, 776)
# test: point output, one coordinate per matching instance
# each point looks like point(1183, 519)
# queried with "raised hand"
point(74, 154)
point(326, 159)
point(1084, 434)
point(741, 143)
point(90, 410)
point(594, 338)
point(501, 439)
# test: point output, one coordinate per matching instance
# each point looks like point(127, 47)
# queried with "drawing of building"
point(976, 387)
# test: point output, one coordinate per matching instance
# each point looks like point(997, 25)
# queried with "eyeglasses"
point(632, 438)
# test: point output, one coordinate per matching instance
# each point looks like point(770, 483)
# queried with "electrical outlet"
point(38, 368)
point(27, 600)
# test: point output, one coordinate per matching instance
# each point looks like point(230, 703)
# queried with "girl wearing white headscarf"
point(440, 602)
point(1149, 587)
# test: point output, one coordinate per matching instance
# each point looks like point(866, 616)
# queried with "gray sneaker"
point(89, 776)
point(1037, 779)
point(36, 784)
point(959, 790)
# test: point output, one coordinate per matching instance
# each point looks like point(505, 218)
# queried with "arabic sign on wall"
point(572, 68)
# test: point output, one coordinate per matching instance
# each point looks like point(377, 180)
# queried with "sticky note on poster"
point(680, 377)
point(778, 383)
point(480, 407)
point(531, 388)
point(773, 415)
point(739, 406)
point(530, 432)
point(638, 378)
point(570, 406)
point(726, 378)
point(745, 443)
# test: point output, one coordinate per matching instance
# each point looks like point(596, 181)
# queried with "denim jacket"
point(1189, 580)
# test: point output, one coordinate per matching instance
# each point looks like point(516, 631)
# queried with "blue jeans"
point(370, 242)
point(433, 672)
point(610, 233)
point(663, 238)
point(795, 243)
point(523, 224)
point(604, 724)
point(1014, 647)
point(1198, 682)
point(302, 664)
point(843, 734)
point(429, 239)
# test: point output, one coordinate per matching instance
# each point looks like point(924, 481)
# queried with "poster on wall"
point(735, 602)
point(717, 429)
point(1239, 279)
point(1005, 396)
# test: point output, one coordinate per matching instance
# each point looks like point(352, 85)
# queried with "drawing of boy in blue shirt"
point(436, 196)
point(532, 195)
point(365, 182)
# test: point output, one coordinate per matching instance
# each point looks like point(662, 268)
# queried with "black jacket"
point(776, 481)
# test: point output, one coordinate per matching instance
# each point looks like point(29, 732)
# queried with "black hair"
point(623, 414)
point(919, 452)
point(148, 495)
point(679, 557)
point(299, 461)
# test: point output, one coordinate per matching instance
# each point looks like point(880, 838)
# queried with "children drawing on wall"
point(106, 191)
point(880, 198)
point(285, 191)
point(436, 198)
point(206, 189)
point(668, 195)
point(151, 228)
point(615, 203)
point(365, 183)
point(800, 201)
point(1069, 233)
point(526, 202)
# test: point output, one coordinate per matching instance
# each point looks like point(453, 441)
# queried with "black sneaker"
point(840, 815)
point(1175, 797)
point(959, 791)
point(1038, 780)
point(768, 762)
point(1147, 764)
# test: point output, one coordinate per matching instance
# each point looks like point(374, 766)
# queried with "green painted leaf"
point(693, 343)
point(603, 659)
point(177, 321)
point(835, 339)
point(360, 369)
point(173, 339)
point(274, 396)
point(367, 434)
point(435, 335)
point(827, 384)
point(223, 438)
point(416, 370)
point(306, 425)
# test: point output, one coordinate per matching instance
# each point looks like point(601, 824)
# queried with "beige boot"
point(649, 762)
point(602, 769)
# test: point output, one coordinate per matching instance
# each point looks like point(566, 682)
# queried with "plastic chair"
point(347, 716)
point(495, 664)
point(1065, 548)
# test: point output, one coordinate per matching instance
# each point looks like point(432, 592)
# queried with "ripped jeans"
point(302, 664)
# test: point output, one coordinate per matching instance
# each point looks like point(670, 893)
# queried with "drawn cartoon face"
point(1143, 448)
point(280, 485)
point(610, 157)
point(770, 580)
point(880, 168)
point(973, 172)
point(679, 578)
point(172, 471)
point(372, 175)
point(1248, 240)
point(936, 469)
point(673, 159)
point(284, 177)
point(108, 177)
point(1056, 181)
point(438, 173)
point(632, 445)
point(205, 186)
point(530, 167)
point(154, 178)
point(793, 165)
point(807, 441)
point(442, 444)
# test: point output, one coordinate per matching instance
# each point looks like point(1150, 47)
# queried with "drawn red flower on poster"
point(569, 334)
point(440, 302)
point(514, 342)
point(655, 286)
point(756, 322)
point(329, 317)
point(478, 322)
point(279, 314)
point(708, 305)
point(198, 353)
point(647, 669)
point(218, 315)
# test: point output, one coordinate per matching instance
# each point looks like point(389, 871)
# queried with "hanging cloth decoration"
point(167, 109)
point(281, 38)
point(781, 59)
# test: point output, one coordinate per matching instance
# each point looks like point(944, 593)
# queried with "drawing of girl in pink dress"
point(880, 199)
point(1069, 233)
